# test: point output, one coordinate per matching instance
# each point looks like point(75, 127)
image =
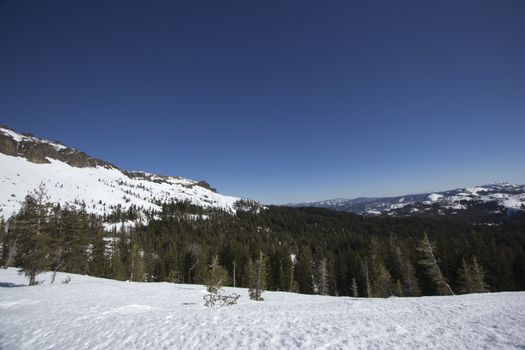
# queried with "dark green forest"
point(306, 250)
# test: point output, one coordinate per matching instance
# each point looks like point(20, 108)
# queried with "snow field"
point(95, 313)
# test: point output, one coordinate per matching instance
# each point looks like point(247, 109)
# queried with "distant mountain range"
point(71, 176)
point(497, 199)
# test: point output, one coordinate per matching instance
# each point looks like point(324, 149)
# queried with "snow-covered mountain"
point(496, 198)
point(71, 176)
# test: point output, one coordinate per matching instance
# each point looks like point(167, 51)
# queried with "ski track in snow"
point(94, 313)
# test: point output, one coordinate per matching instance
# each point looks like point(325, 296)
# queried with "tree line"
point(305, 250)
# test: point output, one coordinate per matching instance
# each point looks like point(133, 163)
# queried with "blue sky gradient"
point(280, 101)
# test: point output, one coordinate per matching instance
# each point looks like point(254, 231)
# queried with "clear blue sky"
point(279, 101)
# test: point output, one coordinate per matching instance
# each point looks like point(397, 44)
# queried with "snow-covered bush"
point(212, 299)
point(217, 275)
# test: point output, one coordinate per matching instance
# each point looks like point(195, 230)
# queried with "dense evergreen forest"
point(305, 250)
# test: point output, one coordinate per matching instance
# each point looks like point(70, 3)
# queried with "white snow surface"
point(434, 197)
point(99, 187)
point(95, 313)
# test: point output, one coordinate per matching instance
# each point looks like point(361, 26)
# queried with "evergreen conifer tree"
point(292, 285)
point(465, 278)
point(366, 272)
point(478, 273)
point(33, 234)
point(398, 290)
point(303, 271)
point(98, 264)
point(355, 291)
point(410, 284)
point(217, 276)
point(382, 285)
point(118, 268)
point(322, 284)
point(472, 277)
point(258, 275)
point(430, 263)
point(10, 243)
point(137, 264)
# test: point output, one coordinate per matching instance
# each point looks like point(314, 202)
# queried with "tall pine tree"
point(430, 263)
point(258, 274)
point(33, 234)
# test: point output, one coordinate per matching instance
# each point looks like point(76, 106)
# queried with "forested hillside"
point(307, 250)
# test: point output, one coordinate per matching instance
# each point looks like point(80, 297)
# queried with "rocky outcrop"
point(141, 175)
point(38, 151)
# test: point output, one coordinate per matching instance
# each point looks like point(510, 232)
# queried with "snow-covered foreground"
point(94, 313)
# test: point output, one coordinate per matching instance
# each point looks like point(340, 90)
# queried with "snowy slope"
point(94, 313)
point(100, 187)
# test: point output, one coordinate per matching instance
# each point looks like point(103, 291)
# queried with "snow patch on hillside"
point(434, 197)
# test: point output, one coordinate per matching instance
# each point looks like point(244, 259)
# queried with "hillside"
point(94, 313)
point(71, 176)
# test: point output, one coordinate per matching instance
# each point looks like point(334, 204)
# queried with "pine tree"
point(10, 243)
point(429, 261)
point(33, 234)
point(303, 271)
point(217, 276)
point(258, 275)
point(382, 285)
point(3, 240)
point(465, 278)
point(196, 260)
point(472, 277)
point(137, 264)
point(398, 290)
point(410, 284)
point(323, 277)
point(70, 238)
point(118, 268)
point(480, 286)
point(367, 279)
point(355, 292)
point(98, 264)
point(293, 286)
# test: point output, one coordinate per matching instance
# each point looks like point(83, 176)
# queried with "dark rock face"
point(8, 145)
point(37, 151)
point(206, 185)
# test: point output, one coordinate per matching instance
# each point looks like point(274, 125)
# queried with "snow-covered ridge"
point(26, 138)
point(38, 150)
point(505, 195)
point(101, 188)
